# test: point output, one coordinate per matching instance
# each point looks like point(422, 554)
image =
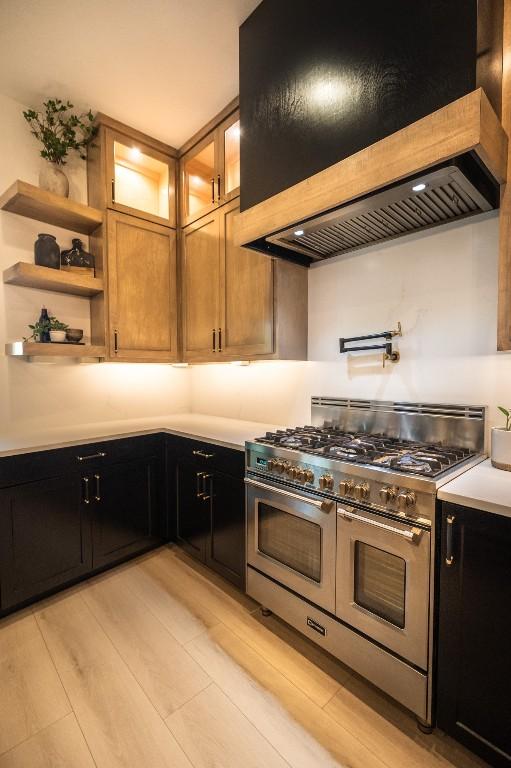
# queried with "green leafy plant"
point(60, 131)
point(44, 326)
point(507, 414)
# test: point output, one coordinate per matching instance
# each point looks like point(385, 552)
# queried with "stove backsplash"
point(455, 425)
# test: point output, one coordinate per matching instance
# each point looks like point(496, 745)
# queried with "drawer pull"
point(99, 455)
point(97, 495)
point(203, 455)
point(85, 497)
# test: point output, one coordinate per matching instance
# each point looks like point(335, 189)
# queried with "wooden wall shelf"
point(46, 279)
point(34, 203)
point(34, 349)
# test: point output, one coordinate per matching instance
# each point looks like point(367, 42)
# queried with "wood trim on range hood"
point(468, 124)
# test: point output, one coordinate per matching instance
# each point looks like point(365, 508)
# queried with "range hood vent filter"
point(451, 192)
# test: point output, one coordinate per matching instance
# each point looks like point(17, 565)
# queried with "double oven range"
point(341, 531)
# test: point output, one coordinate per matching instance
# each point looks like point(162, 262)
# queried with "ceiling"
point(165, 67)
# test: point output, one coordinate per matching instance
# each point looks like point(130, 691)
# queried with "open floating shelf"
point(46, 279)
point(34, 203)
point(35, 349)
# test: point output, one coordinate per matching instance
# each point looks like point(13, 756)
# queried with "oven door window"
point(380, 583)
point(290, 540)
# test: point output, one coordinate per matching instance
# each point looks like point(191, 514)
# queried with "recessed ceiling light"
point(299, 232)
point(419, 187)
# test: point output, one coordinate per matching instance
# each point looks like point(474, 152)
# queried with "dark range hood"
point(456, 190)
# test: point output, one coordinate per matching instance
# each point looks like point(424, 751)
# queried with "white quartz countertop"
point(231, 433)
point(482, 487)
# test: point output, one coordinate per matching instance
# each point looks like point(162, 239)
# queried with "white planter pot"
point(58, 335)
point(501, 448)
point(53, 179)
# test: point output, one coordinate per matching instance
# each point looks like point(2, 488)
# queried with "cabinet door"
point(125, 503)
point(226, 545)
point(192, 512)
point(140, 179)
point(474, 662)
point(142, 290)
point(44, 538)
point(200, 182)
point(247, 294)
point(228, 139)
point(201, 280)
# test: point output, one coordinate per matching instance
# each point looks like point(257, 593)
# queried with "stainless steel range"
point(341, 531)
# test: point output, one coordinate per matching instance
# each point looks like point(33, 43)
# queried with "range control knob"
point(388, 493)
point(292, 472)
point(309, 476)
point(270, 465)
point(406, 499)
point(361, 491)
point(346, 487)
point(280, 466)
point(300, 476)
point(326, 483)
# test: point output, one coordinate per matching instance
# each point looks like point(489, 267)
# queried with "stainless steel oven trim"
point(413, 536)
point(325, 505)
point(322, 593)
point(412, 641)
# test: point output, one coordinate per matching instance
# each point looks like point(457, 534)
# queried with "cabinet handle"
point(113, 190)
point(99, 455)
point(219, 339)
point(449, 556)
point(212, 191)
point(85, 497)
point(203, 455)
point(198, 479)
point(218, 186)
point(205, 496)
point(116, 341)
point(97, 495)
point(214, 340)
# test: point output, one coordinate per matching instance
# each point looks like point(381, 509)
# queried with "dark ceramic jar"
point(47, 251)
point(76, 258)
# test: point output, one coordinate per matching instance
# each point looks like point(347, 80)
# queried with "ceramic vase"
point(53, 179)
point(501, 448)
point(47, 251)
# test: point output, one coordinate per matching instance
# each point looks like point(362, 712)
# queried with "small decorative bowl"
point(58, 336)
point(74, 335)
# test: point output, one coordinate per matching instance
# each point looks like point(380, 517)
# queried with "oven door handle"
point(414, 535)
point(325, 505)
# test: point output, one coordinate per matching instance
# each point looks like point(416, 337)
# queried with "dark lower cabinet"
point(474, 642)
point(124, 500)
point(210, 506)
point(45, 538)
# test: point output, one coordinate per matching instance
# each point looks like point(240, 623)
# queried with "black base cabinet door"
point(44, 538)
point(125, 503)
point(225, 552)
point(474, 643)
point(192, 513)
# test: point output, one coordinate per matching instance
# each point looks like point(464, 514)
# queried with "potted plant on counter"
point(60, 131)
point(501, 443)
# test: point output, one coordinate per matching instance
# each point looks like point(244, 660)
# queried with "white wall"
point(37, 395)
point(441, 285)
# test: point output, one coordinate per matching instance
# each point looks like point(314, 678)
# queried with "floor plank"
point(166, 672)
point(213, 732)
point(61, 745)
point(121, 726)
point(320, 684)
point(31, 695)
point(300, 731)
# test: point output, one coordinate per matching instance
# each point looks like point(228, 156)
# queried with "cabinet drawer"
point(214, 457)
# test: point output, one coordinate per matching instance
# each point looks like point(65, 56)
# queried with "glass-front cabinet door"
point(140, 180)
point(229, 143)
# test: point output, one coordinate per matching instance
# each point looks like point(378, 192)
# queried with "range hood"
point(447, 166)
point(458, 189)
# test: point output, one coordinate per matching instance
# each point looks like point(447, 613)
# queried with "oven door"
point(291, 538)
point(383, 581)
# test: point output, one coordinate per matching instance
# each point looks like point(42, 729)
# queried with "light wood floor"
point(160, 664)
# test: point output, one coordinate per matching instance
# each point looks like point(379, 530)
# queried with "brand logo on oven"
point(319, 628)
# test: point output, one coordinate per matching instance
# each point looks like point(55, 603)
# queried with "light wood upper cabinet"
point(239, 304)
point(210, 170)
point(132, 173)
point(142, 295)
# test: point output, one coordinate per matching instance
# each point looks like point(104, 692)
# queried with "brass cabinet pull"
point(212, 191)
point(116, 341)
point(113, 190)
point(97, 495)
point(449, 556)
point(214, 340)
point(205, 496)
point(202, 454)
point(86, 496)
point(219, 339)
point(90, 456)
point(198, 478)
point(218, 186)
